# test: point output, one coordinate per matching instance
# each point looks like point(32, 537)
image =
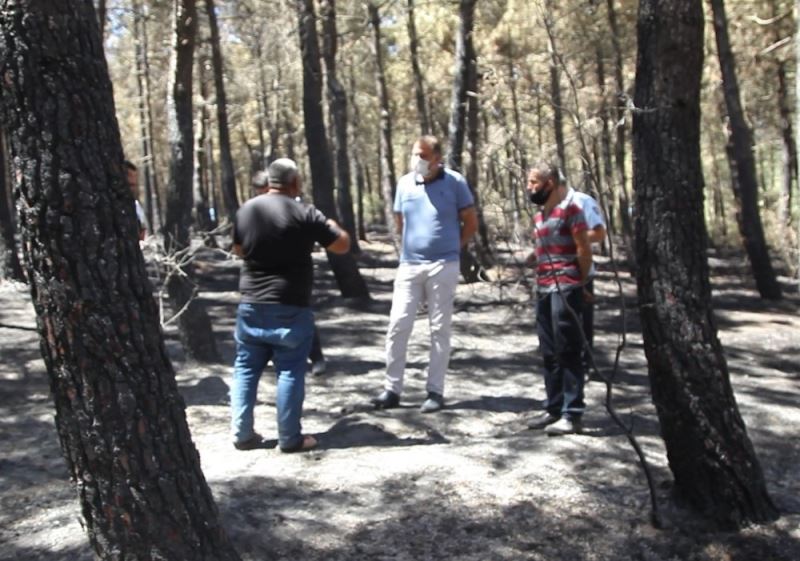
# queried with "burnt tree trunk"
point(464, 58)
point(555, 85)
point(483, 248)
point(10, 267)
point(348, 278)
point(709, 452)
point(194, 324)
point(227, 173)
point(388, 177)
point(120, 418)
point(202, 217)
point(416, 72)
point(152, 197)
point(743, 167)
point(620, 127)
point(788, 147)
point(465, 75)
point(337, 104)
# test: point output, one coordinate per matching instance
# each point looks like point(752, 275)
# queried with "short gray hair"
point(549, 170)
point(282, 172)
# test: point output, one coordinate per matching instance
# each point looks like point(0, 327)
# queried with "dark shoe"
point(306, 443)
point(434, 402)
point(318, 368)
point(386, 400)
point(541, 420)
point(254, 442)
point(565, 425)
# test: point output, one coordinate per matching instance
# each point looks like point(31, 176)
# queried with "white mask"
point(420, 166)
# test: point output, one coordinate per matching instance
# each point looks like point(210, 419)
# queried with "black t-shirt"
point(277, 235)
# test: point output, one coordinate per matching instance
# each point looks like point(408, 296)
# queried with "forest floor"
point(468, 483)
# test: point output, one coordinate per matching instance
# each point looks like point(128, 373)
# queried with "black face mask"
point(539, 197)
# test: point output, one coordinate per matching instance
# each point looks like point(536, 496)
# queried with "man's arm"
point(341, 244)
point(584, 253)
point(597, 234)
point(469, 224)
point(398, 223)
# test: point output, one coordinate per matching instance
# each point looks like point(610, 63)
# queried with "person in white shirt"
point(133, 183)
point(596, 234)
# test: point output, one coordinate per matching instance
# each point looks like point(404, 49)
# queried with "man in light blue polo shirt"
point(435, 214)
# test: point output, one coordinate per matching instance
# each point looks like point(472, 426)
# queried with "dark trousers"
point(316, 348)
point(588, 320)
point(560, 345)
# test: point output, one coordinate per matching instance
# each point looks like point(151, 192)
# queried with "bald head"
point(282, 173)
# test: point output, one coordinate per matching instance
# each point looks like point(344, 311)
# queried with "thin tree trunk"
point(337, 104)
point(360, 186)
point(201, 217)
point(416, 73)
point(363, 188)
point(120, 418)
point(797, 119)
point(194, 325)
point(512, 79)
point(348, 277)
point(788, 148)
point(620, 127)
point(708, 450)
point(144, 116)
point(718, 199)
point(10, 267)
point(388, 178)
point(228, 175)
point(605, 140)
point(463, 78)
point(465, 54)
point(555, 86)
point(743, 166)
point(152, 197)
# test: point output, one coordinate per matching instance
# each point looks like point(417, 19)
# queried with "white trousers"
point(436, 282)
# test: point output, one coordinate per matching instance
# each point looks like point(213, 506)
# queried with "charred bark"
point(388, 177)
point(120, 418)
point(416, 72)
point(348, 278)
point(743, 167)
point(10, 267)
point(152, 197)
point(337, 103)
point(227, 173)
point(709, 451)
point(194, 324)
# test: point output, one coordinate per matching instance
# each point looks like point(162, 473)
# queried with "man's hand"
point(341, 244)
point(469, 224)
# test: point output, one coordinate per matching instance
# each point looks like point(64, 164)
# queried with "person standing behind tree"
point(133, 183)
point(563, 261)
point(275, 235)
point(435, 214)
point(596, 233)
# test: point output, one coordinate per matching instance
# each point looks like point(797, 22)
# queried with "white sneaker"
point(564, 425)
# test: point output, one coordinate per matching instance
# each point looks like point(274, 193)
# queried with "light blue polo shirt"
point(431, 226)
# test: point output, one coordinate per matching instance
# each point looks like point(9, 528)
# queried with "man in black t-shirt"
point(275, 234)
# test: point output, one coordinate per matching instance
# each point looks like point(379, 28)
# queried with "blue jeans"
point(560, 344)
point(282, 334)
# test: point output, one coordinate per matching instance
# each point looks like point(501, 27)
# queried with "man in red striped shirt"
point(563, 260)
